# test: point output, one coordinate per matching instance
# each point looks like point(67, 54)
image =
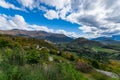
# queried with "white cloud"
point(27, 3)
point(58, 4)
point(97, 17)
point(51, 14)
point(18, 22)
point(62, 7)
point(8, 5)
point(41, 28)
point(70, 34)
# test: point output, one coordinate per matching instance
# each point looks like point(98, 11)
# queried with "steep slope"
point(56, 38)
point(17, 41)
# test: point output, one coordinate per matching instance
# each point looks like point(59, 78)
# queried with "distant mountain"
point(108, 40)
point(82, 46)
point(56, 38)
point(85, 42)
point(102, 38)
point(116, 37)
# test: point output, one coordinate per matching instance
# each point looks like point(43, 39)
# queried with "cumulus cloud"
point(51, 14)
point(70, 34)
point(31, 4)
point(58, 4)
point(97, 17)
point(40, 28)
point(18, 22)
point(5, 4)
point(27, 3)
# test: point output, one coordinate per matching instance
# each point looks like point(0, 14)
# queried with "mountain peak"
point(80, 40)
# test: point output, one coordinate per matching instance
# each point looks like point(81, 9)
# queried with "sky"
point(74, 18)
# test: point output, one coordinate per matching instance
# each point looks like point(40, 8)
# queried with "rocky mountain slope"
point(56, 38)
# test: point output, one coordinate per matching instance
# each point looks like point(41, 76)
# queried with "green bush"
point(52, 51)
point(95, 64)
point(99, 76)
point(4, 43)
point(33, 56)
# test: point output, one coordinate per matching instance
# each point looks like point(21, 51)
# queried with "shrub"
point(83, 67)
point(52, 51)
point(12, 56)
point(100, 76)
point(70, 73)
point(32, 56)
point(4, 43)
point(44, 54)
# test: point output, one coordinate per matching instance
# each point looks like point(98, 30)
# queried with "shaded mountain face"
point(84, 47)
point(102, 38)
point(108, 40)
point(116, 37)
point(85, 42)
point(56, 38)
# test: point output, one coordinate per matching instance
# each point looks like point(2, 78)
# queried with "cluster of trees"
point(66, 55)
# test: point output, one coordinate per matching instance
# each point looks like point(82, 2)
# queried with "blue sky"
point(74, 18)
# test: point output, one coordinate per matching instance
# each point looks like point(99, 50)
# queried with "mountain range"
point(115, 39)
point(60, 38)
point(52, 37)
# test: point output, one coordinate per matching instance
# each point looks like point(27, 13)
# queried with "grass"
point(114, 66)
point(99, 49)
point(98, 76)
point(13, 66)
point(42, 72)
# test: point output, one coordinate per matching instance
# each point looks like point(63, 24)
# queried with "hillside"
point(85, 42)
point(28, 58)
point(90, 49)
point(80, 43)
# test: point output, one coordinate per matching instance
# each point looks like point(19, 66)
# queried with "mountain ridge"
point(108, 40)
point(53, 37)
